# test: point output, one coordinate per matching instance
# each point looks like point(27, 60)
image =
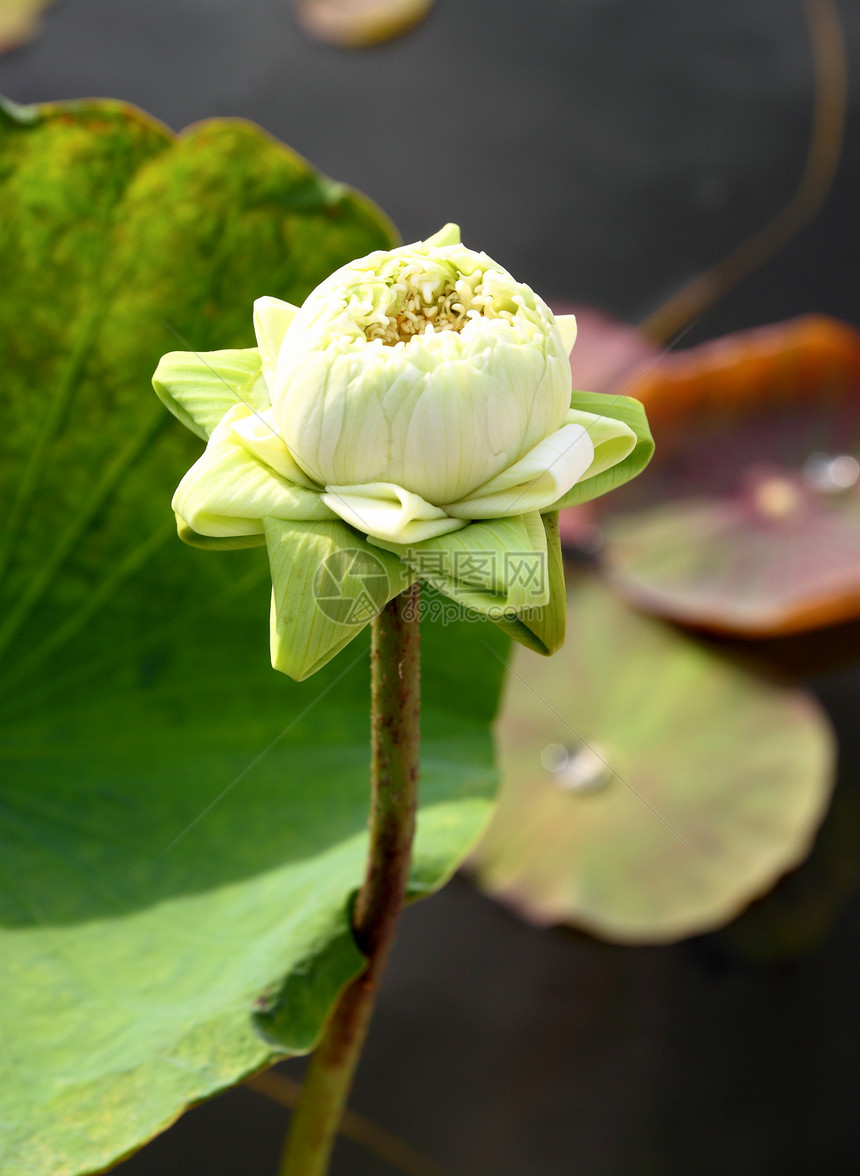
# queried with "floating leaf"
point(651, 788)
point(355, 24)
point(181, 828)
point(748, 520)
point(19, 22)
point(804, 908)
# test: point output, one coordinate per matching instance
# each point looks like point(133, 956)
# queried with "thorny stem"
point(395, 713)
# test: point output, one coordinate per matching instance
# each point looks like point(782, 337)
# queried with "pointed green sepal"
point(542, 628)
point(606, 441)
point(497, 568)
point(327, 584)
point(200, 387)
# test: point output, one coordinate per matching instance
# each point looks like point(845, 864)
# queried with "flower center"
point(424, 304)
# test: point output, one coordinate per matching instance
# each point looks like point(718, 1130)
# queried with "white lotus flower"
point(417, 393)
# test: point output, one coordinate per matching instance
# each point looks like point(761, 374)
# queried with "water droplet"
point(584, 770)
point(554, 757)
point(831, 475)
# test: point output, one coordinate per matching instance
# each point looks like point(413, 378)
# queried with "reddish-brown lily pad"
point(608, 356)
point(748, 519)
point(651, 787)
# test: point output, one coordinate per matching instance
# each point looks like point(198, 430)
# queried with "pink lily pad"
point(608, 356)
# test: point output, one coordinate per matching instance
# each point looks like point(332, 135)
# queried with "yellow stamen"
point(422, 303)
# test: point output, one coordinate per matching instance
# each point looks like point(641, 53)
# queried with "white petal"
point(566, 324)
point(228, 491)
point(439, 416)
point(389, 512)
point(272, 316)
point(535, 481)
point(259, 434)
point(612, 440)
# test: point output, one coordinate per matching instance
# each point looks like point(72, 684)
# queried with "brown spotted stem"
point(395, 713)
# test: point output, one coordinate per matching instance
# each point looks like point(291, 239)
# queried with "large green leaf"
point(181, 827)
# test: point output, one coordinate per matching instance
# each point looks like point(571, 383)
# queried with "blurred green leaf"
point(651, 788)
point(181, 827)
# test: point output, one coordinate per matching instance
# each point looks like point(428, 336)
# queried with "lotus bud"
point(416, 409)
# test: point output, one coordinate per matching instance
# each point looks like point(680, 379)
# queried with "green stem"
point(395, 713)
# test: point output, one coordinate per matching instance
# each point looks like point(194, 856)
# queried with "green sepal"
point(200, 387)
point(632, 414)
point(496, 567)
point(328, 583)
point(216, 542)
point(543, 628)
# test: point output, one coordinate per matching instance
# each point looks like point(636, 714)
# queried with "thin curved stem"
point(395, 713)
point(365, 1133)
point(825, 146)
